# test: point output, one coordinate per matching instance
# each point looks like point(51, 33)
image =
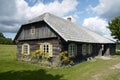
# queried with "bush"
point(40, 56)
point(65, 59)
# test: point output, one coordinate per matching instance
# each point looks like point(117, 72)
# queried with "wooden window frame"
point(32, 30)
point(47, 48)
point(84, 49)
point(27, 52)
point(89, 48)
point(72, 49)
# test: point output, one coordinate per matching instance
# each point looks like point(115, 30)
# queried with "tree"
point(1, 35)
point(114, 26)
point(4, 40)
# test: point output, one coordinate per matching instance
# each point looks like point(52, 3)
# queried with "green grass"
point(11, 69)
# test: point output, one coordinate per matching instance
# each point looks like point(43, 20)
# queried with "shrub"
point(25, 57)
point(65, 59)
point(40, 56)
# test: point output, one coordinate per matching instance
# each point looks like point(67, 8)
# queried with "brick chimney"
point(69, 19)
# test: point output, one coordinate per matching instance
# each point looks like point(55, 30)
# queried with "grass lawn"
point(98, 69)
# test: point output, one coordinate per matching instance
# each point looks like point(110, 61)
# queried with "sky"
point(93, 14)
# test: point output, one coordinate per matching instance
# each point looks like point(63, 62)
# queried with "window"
point(72, 49)
point(47, 48)
point(84, 49)
point(32, 30)
point(89, 48)
point(26, 49)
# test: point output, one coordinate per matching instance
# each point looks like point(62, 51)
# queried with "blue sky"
point(93, 14)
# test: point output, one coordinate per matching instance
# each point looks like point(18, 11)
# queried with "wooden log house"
point(54, 35)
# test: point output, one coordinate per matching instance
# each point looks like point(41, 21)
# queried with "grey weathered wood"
point(41, 31)
point(35, 45)
point(44, 33)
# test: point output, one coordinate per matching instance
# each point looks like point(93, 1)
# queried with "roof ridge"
point(70, 31)
point(37, 18)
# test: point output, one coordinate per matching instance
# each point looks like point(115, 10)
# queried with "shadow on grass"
point(29, 75)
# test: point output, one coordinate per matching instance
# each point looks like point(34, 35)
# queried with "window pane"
point(89, 49)
point(72, 49)
point(84, 49)
point(25, 48)
point(47, 48)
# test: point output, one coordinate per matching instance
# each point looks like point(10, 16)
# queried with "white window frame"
point(47, 48)
point(27, 52)
point(72, 49)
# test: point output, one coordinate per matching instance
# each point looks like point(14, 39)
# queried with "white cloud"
point(98, 25)
point(18, 11)
point(57, 8)
point(107, 9)
point(10, 15)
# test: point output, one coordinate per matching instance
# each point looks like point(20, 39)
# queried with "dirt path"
point(109, 70)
